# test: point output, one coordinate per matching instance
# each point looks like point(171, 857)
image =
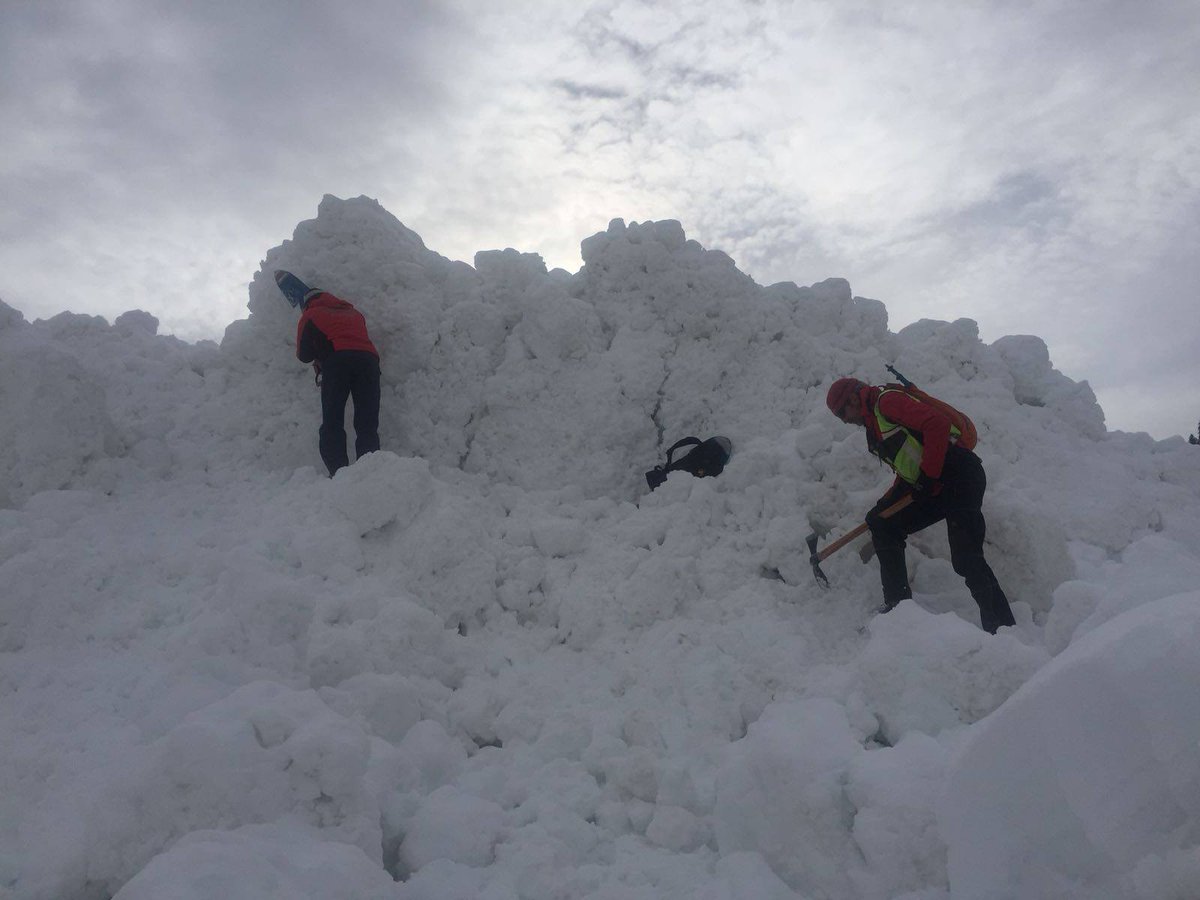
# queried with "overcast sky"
point(1034, 166)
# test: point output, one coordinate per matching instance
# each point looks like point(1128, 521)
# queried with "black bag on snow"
point(705, 459)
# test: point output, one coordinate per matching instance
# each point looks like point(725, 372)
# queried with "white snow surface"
point(486, 662)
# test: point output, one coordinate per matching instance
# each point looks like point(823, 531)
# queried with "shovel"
point(815, 558)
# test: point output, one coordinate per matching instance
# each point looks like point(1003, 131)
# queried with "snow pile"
point(1088, 780)
point(485, 662)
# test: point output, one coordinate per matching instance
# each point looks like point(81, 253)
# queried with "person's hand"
point(926, 486)
point(873, 517)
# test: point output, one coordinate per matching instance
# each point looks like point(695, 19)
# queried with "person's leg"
point(966, 529)
point(890, 538)
point(365, 390)
point(335, 389)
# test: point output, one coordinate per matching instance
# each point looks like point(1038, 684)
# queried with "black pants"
point(959, 503)
point(344, 374)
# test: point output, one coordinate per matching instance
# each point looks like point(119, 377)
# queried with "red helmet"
point(840, 393)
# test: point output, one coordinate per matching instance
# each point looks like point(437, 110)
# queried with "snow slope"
point(485, 662)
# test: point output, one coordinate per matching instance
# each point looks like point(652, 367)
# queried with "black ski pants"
point(345, 374)
point(960, 504)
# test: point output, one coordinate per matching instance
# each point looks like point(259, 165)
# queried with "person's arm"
point(933, 427)
point(311, 343)
point(301, 347)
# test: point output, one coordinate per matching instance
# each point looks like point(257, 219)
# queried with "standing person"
point(332, 335)
point(947, 482)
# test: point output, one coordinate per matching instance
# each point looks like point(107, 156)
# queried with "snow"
point(1048, 792)
point(486, 662)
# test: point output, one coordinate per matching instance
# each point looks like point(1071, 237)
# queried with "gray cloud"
point(173, 92)
point(1018, 200)
point(577, 91)
point(139, 126)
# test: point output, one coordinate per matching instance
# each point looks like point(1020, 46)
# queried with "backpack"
point(968, 436)
point(704, 460)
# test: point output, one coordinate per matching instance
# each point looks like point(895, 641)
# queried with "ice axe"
point(815, 558)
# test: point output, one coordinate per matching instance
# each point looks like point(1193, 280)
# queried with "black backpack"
point(705, 459)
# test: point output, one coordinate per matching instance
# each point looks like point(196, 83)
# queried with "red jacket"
point(929, 426)
point(330, 324)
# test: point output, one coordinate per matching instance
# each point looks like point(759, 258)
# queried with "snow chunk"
point(929, 673)
point(1037, 383)
point(10, 318)
point(436, 757)
point(382, 488)
point(555, 326)
point(676, 829)
point(260, 862)
point(455, 826)
point(363, 632)
point(262, 752)
point(136, 321)
point(1090, 775)
point(748, 875)
point(894, 791)
point(509, 268)
point(780, 793)
point(56, 419)
point(558, 537)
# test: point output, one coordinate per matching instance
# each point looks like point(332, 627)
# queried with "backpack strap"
point(683, 442)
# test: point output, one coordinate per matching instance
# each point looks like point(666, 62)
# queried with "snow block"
point(452, 825)
point(780, 793)
point(382, 488)
point(1090, 773)
point(56, 417)
point(931, 673)
point(260, 862)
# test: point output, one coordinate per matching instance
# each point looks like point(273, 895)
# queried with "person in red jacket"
point(947, 482)
point(332, 335)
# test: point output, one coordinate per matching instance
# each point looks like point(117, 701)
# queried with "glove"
point(926, 486)
point(317, 373)
point(873, 519)
point(890, 496)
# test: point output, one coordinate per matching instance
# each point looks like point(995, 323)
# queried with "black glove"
point(873, 519)
point(926, 486)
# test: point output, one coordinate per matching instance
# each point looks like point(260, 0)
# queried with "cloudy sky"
point(1033, 165)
